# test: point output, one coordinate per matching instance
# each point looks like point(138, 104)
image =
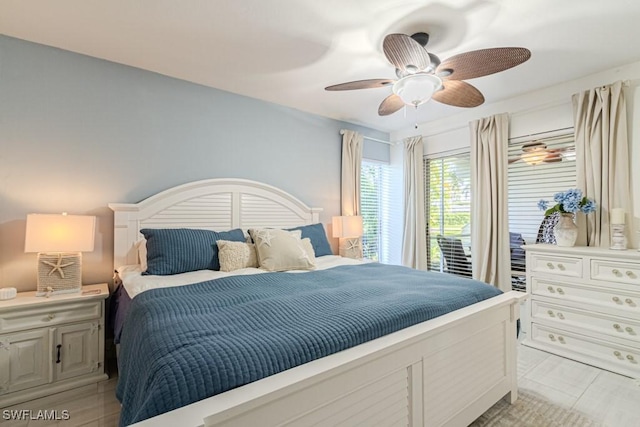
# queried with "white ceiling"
point(287, 51)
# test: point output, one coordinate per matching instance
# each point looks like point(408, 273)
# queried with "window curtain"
point(602, 156)
point(414, 240)
point(351, 163)
point(489, 207)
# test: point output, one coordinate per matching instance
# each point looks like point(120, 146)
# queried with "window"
point(375, 209)
point(448, 211)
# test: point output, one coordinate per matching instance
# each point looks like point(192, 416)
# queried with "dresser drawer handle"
point(630, 358)
point(616, 327)
point(560, 316)
point(51, 316)
point(550, 312)
point(629, 301)
point(616, 299)
point(550, 265)
point(616, 272)
point(629, 329)
point(561, 267)
point(551, 337)
point(550, 289)
point(630, 274)
point(561, 339)
point(617, 354)
point(560, 291)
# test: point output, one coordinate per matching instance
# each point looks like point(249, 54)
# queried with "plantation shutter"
point(376, 210)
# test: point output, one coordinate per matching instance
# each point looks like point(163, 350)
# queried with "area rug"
point(532, 410)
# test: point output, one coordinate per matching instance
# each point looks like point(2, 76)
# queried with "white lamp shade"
point(417, 89)
point(347, 226)
point(59, 233)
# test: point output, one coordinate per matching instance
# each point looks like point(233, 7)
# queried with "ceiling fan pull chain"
point(416, 126)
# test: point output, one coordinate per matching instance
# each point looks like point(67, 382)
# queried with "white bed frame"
point(446, 371)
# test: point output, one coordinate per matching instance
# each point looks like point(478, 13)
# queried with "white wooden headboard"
point(212, 204)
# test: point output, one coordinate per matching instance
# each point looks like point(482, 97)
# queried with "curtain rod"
point(371, 138)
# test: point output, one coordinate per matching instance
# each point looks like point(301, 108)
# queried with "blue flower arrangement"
point(570, 201)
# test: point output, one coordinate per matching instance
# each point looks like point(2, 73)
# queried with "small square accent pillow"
point(236, 255)
point(180, 250)
point(281, 250)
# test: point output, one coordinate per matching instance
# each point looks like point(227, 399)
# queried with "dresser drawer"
point(564, 316)
point(615, 271)
point(41, 316)
point(556, 265)
point(624, 302)
point(623, 359)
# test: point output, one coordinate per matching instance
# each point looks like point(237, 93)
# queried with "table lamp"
point(59, 241)
point(349, 230)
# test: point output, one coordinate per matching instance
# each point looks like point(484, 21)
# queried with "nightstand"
point(50, 345)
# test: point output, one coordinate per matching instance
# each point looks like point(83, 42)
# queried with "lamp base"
point(350, 247)
point(59, 273)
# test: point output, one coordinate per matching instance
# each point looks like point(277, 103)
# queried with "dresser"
point(50, 345)
point(585, 305)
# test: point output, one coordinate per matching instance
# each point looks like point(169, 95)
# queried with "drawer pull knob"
point(561, 267)
point(617, 354)
point(630, 358)
point(551, 337)
point(616, 272)
point(616, 299)
point(561, 339)
point(550, 288)
point(560, 316)
point(560, 291)
point(550, 312)
point(550, 265)
point(629, 301)
point(630, 274)
point(51, 316)
point(629, 329)
point(616, 326)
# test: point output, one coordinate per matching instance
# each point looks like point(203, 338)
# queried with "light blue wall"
point(77, 133)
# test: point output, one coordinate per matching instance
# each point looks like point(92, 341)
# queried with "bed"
point(443, 371)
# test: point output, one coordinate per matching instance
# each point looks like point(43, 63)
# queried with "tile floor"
point(608, 398)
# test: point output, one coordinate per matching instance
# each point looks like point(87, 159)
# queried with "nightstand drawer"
point(569, 317)
point(614, 271)
point(40, 316)
point(556, 265)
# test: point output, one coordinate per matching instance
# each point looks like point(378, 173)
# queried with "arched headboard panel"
point(213, 204)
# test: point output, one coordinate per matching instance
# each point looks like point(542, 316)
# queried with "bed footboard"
point(443, 372)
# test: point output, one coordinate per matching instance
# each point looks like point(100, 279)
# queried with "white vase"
point(566, 230)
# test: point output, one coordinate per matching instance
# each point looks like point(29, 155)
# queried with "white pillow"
point(141, 247)
point(236, 255)
point(281, 250)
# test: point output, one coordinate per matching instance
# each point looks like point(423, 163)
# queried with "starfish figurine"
point(58, 266)
point(353, 247)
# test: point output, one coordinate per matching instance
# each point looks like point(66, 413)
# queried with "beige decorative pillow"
point(281, 250)
point(236, 255)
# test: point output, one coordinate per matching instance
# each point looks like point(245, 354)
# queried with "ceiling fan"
point(536, 152)
point(422, 76)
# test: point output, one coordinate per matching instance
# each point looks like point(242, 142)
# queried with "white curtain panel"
point(490, 254)
point(351, 163)
point(602, 155)
point(414, 239)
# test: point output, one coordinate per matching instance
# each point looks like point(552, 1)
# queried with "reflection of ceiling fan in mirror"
point(422, 76)
point(536, 152)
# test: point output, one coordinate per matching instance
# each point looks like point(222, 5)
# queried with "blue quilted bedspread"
point(183, 344)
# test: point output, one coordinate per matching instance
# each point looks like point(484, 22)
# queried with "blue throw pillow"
point(179, 250)
point(318, 237)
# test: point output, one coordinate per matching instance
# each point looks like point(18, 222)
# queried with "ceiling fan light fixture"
point(416, 89)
